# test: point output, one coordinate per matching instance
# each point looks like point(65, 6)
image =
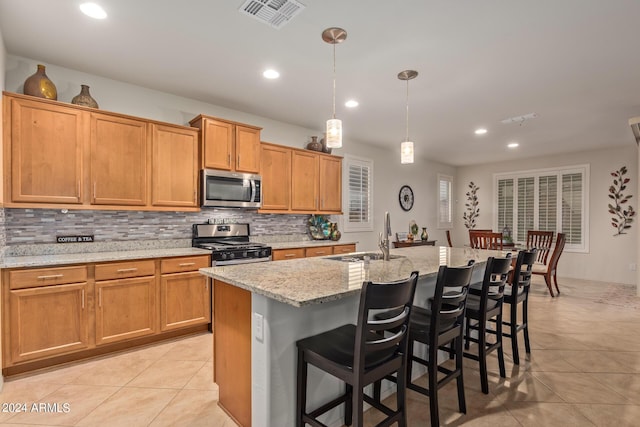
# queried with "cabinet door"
point(304, 181)
point(118, 160)
point(47, 321)
point(275, 169)
point(174, 166)
point(319, 251)
point(344, 249)
point(330, 184)
point(285, 254)
point(185, 300)
point(217, 142)
point(46, 152)
point(125, 309)
point(247, 144)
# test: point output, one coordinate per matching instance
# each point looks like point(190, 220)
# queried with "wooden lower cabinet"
point(53, 315)
point(284, 254)
point(318, 251)
point(126, 308)
point(293, 253)
point(185, 300)
point(47, 321)
point(344, 249)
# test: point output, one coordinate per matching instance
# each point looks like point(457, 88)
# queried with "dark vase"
point(84, 98)
point(39, 85)
point(325, 149)
point(314, 145)
point(424, 235)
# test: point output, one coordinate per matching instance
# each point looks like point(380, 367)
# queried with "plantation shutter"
point(547, 203)
point(358, 195)
point(525, 207)
point(505, 204)
point(572, 207)
point(445, 208)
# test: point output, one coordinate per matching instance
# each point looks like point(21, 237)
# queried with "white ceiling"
point(573, 62)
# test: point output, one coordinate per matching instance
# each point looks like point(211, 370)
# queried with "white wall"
point(609, 257)
point(389, 174)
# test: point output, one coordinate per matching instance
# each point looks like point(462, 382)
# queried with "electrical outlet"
point(633, 266)
point(258, 321)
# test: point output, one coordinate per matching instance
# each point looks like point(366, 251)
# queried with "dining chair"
point(449, 238)
point(541, 240)
point(362, 354)
point(483, 305)
point(481, 239)
point(549, 270)
point(517, 295)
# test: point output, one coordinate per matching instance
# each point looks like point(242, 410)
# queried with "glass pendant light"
point(334, 126)
point(406, 148)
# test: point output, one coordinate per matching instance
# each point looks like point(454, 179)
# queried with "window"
point(549, 200)
point(357, 174)
point(445, 205)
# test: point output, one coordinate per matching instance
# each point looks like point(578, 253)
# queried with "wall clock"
point(406, 197)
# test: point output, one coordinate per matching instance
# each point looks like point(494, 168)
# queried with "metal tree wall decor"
point(622, 212)
point(472, 206)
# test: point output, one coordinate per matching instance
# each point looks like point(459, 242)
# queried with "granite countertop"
point(310, 243)
point(77, 258)
point(307, 281)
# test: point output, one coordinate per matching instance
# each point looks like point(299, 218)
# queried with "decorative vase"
point(39, 85)
point(335, 233)
point(84, 98)
point(424, 236)
point(323, 142)
point(314, 145)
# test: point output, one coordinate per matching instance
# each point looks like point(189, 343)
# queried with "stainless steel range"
point(229, 244)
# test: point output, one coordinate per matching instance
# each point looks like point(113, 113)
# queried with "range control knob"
point(232, 255)
point(223, 256)
point(245, 254)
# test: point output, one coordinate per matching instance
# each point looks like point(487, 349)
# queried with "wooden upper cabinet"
point(247, 149)
point(174, 166)
point(275, 170)
point(228, 145)
point(46, 152)
point(304, 180)
point(118, 160)
point(217, 144)
point(330, 184)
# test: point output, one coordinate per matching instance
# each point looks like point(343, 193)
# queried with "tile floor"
point(584, 370)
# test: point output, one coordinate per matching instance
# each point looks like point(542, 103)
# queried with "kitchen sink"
point(359, 256)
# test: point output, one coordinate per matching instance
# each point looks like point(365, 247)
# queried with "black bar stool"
point(362, 354)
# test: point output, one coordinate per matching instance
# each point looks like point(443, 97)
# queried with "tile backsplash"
point(41, 226)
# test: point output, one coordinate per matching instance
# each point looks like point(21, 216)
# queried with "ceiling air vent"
point(275, 13)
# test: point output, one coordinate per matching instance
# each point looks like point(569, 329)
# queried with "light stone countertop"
point(78, 258)
point(316, 280)
point(310, 243)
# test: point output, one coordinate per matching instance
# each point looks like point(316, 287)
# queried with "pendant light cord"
point(407, 135)
point(334, 79)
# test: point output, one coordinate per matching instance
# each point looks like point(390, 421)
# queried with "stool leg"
point(514, 333)
point(462, 404)
point(348, 406)
point(433, 391)
point(301, 393)
point(357, 400)
point(525, 322)
point(482, 355)
point(401, 395)
point(500, 346)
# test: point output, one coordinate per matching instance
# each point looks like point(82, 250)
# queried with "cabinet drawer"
point(283, 254)
point(319, 251)
point(20, 279)
point(344, 249)
point(178, 265)
point(122, 270)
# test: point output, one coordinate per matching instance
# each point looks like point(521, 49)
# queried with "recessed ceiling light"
point(93, 10)
point(513, 145)
point(480, 131)
point(352, 103)
point(271, 74)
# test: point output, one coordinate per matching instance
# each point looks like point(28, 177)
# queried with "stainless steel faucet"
point(383, 242)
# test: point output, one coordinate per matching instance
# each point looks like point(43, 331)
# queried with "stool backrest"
point(449, 301)
point(522, 274)
point(381, 340)
point(496, 273)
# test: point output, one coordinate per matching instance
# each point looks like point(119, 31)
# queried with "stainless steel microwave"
point(230, 189)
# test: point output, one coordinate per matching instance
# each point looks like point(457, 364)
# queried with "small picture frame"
point(401, 237)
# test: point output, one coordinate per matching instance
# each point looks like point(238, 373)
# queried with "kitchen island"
point(262, 309)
